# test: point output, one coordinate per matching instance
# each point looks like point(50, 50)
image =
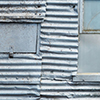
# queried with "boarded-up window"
point(18, 37)
point(20, 24)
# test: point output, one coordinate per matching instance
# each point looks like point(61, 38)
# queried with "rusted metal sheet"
point(22, 10)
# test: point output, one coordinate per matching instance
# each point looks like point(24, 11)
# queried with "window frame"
point(84, 77)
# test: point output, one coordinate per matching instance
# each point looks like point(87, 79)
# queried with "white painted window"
point(89, 41)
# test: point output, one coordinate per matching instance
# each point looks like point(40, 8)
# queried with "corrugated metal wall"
point(22, 10)
point(20, 77)
point(59, 47)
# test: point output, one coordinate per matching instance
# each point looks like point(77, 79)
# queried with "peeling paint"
point(22, 11)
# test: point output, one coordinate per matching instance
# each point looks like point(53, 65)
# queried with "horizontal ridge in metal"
point(22, 11)
point(20, 77)
point(59, 39)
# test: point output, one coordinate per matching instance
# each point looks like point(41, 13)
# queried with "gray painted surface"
point(21, 40)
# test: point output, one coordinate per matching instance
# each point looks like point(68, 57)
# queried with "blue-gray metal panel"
point(59, 41)
point(20, 77)
point(22, 11)
point(18, 37)
point(59, 50)
point(59, 46)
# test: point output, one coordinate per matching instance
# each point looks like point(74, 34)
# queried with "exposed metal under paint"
point(20, 70)
point(23, 78)
point(22, 10)
point(59, 47)
point(22, 40)
point(20, 77)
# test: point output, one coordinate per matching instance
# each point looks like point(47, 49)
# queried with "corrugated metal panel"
point(22, 10)
point(59, 47)
point(59, 39)
point(20, 77)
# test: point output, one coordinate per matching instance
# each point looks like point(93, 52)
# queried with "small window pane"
point(91, 15)
point(89, 53)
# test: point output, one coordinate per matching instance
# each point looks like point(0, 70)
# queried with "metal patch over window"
point(20, 38)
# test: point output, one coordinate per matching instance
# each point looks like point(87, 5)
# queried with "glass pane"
point(91, 15)
point(89, 53)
